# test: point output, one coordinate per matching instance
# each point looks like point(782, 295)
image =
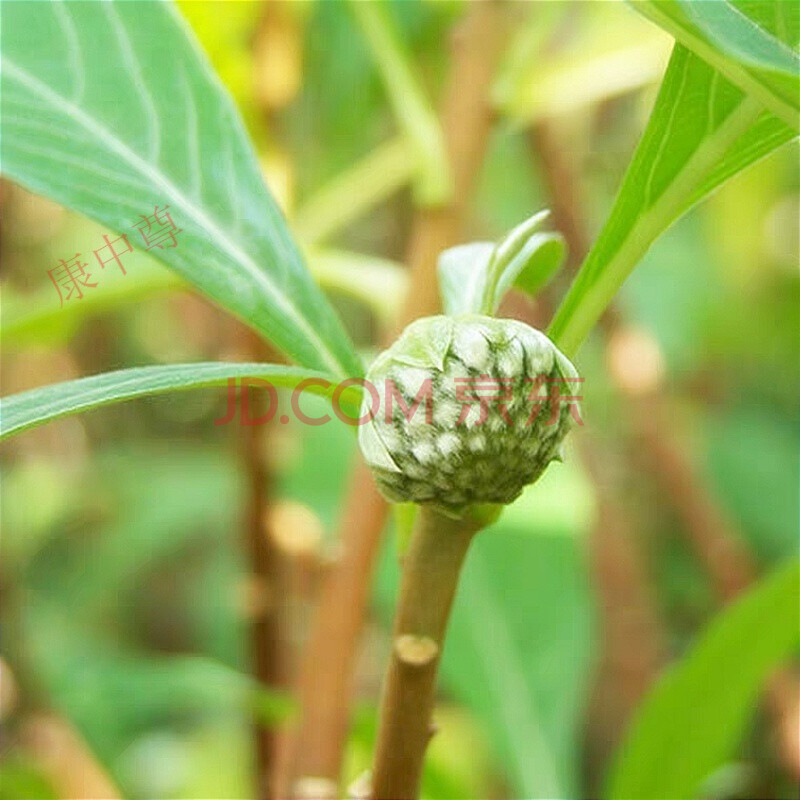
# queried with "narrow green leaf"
point(541, 259)
point(475, 277)
point(527, 258)
point(355, 191)
point(112, 109)
point(608, 52)
point(410, 104)
point(462, 277)
point(380, 284)
point(35, 317)
point(702, 131)
point(752, 43)
point(37, 406)
point(694, 717)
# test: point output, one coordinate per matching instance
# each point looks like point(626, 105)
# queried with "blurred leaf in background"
point(693, 718)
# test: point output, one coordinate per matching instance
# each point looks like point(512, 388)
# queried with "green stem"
point(431, 568)
point(355, 191)
point(414, 113)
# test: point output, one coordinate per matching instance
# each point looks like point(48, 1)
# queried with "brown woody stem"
point(430, 575)
point(264, 560)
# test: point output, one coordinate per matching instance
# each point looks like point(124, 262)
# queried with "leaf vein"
point(133, 66)
point(64, 19)
point(665, 138)
point(201, 218)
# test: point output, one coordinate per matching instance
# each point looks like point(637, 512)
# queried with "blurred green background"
point(125, 599)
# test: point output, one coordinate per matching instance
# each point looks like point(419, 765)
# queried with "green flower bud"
point(488, 419)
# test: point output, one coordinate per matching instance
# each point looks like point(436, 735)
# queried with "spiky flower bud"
point(493, 405)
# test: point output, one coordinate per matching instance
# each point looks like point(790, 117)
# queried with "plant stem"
point(434, 184)
point(430, 576)
point(328, 661)
point(627, 612)
point(263, 557)
point(315, 751)
point(358, 189)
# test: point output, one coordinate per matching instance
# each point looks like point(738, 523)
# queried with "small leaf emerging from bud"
point(472, 410)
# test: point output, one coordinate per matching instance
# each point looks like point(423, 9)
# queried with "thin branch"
point(564, 192)
point(431, 568)
point(720, 547)
point(263, 559)
point(328, 662)
point(365, 184)
point(627, 612)
point(65, 758)
point(711, 533)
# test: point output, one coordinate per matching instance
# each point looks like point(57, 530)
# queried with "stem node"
point(430, 576)
point(415, 650)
